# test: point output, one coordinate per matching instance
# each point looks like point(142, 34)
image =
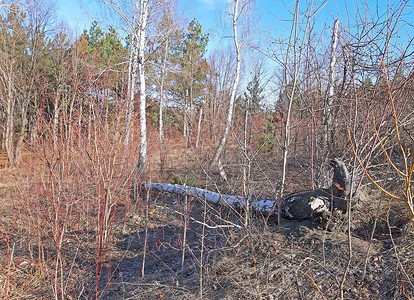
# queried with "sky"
point(271, 16)
point(211, 13)
point(272, 20)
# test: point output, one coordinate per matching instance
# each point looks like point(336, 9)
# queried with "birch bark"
point(132, 78)
point(142, 26)
point(330, 91)
point(236, 14)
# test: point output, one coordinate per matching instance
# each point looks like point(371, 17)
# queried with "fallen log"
point(299, 206)
point(259, 205)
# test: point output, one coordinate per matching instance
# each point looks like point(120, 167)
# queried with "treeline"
point(54, 86)
point(79, 107)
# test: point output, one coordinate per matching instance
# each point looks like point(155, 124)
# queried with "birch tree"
point(292, 76)
point(142, 26)
point(330, 90)
point(236, 15)
point(167, 27)
point(163, 74)
point(220, 77)
point(135, 15)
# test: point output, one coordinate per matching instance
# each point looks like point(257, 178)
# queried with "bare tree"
point(28, 26)
point(328, 123)
point(219, 78)
point(135, 15)
point(236, 15)
point(293, 36)
point(142, 26)
point(163, 74)
point(291, 80)
point(132, 78)
point(166, 28)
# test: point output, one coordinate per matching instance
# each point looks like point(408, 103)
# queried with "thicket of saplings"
point(71, 186)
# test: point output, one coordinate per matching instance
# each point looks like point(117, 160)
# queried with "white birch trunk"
point(299, 206)
point(330, 91)
point(132, 78)
point(199, 127)
point(142, 26)
point(161, 111)
point(235, 85)
point(260, 205)
point(136, 67)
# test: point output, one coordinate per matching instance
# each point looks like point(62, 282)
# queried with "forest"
point(103, 132)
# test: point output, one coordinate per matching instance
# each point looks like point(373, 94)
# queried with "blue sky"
point(211, 13)
point(272, 16)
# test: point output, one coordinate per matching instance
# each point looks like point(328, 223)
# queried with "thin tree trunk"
point(235, 84)
point(132, 78)
point(143, 18)
point(185, 122)
point(185, 119)
point(8, 139)
point(56, 119)
point(8, 142)
point(161, 123)
point(90, 112)
point(328, 129)
point(70, 125)
point(191, 112)
point(287, 124)
point(246, 165)
point(161, 110)
point(19, 144)
point(199, 127)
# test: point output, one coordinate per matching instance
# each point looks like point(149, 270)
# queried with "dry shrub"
point(67, 199)
point(303, 263)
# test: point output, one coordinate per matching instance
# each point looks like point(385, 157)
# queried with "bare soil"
point(298, 261)
point(168, 246)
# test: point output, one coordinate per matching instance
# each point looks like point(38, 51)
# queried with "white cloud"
point(212, 4)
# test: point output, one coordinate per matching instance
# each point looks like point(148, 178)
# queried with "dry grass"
point(104, 250)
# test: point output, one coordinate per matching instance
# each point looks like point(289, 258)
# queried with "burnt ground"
point(203, 251)
point(222, 261)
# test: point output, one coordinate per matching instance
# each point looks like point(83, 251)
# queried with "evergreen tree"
point(254, 94)
point(189, 57)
